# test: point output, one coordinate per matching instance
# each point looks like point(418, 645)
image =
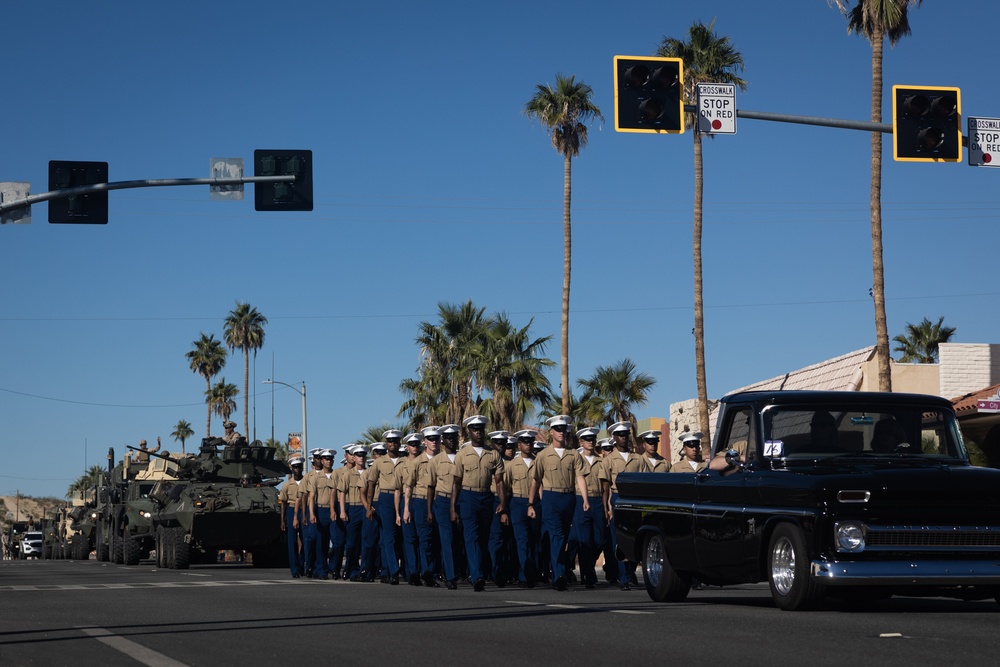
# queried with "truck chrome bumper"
point(906, 573)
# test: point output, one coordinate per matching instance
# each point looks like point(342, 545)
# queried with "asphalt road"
point(88, 613)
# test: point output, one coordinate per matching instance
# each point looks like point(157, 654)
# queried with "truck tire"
point(47, 553)
point(163, 548)
point(180, 550)
point(77, 546)
point(102, 544)
point(663, 584)
point(117, 548)
point(788, 571)
point(130, 550)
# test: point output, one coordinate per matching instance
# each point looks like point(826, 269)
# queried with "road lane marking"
point(628, 611)
point(137, 652)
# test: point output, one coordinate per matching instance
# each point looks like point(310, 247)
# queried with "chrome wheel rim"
point(654, 561)
point(783, 566)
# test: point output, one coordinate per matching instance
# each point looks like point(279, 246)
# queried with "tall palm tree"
point(707, 58)
point(612, 391)
point(564, 111)
point(450, 351)
point(221, 398)
point(244, 330)
point(182, 432)
point(207, 359)
point(512, 369)
point(876, 20)
point(920, 344)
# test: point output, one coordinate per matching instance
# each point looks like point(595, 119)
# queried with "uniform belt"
point(443, 495)
point(486, 490)
point(553, 490)
point(519, 495)
point(419, 496)
point(381, 493)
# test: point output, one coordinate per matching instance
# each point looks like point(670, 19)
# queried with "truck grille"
point(932, 538)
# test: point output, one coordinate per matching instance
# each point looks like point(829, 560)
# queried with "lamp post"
point(301, 392)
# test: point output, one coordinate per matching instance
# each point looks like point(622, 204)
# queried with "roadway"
point(88, 613)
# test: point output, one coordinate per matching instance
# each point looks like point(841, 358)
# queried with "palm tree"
point(564, 111)
point(707, 58)
point(280, 446)
point(207, 359)
point(182, 432)
point(875, 20)
point(373, 433)
point(920, 344)
point(612, 391)
point(512, 369)
point(244, 330)
point(221, 398)
point(88, 480)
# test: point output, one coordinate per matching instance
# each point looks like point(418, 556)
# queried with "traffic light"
point(649, 94)
point(926, 124)
point(90, 208)
point(285, 196)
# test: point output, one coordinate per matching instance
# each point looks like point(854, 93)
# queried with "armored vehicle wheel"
point(77, 547)
point(102, 544)
point(117, 549)
point(180, 550)
point(788, 571)
point(46, 553)
point(131, 550)
point(663, 584)
point(162, 549)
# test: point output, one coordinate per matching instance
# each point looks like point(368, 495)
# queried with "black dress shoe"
point(356, 578)
point(429, 580)
point(480, 585)
point(414, 580)
point(560, 584)
point(335, 576)
point(296, 576)
point(383, 580)
point(394, 580)
point(452, 585)
point(500, 582)
point(626, 587)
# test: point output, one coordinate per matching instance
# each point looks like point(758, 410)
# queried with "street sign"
point(989, 405)
point(716, 108)
point(15, 192)
point(984, 142)
point(226, 167)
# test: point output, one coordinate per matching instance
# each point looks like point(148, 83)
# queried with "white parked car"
point(31, 545)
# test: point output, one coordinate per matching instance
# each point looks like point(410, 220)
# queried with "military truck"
point(12, 540)
point(83, 523)
point(56, 535)
point(222, 499)
point(138, 534)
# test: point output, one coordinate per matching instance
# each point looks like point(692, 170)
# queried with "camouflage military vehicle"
point(12, 539)
point(83, 521)
point(222, 499)
point(56, 535)
point(137, 531)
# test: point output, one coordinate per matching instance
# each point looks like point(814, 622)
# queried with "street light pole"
point(301, 392)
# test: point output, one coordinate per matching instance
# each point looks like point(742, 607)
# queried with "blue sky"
point(432, 186)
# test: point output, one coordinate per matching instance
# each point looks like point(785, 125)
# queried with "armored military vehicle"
point(137, 531)
point(222, 499)
point(83, 521)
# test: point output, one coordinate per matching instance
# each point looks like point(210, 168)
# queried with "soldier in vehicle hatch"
point(143, 454)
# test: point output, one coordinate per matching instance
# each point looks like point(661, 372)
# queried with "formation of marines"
point(500, 507)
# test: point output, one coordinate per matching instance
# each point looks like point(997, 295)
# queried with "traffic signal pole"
point(146, 183)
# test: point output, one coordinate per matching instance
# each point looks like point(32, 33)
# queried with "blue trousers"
point(557, 512)
point(526, 534)
point(410, 541)
point(590, 532)
point(501, 550)
point(338, 536)
point(427, 544)
point(626, 569)
point(309, 537)
point(322, 546)
point(387, 517)
point(369, 543)
point(352, 547)
point(449, 543)
point(295, 561)
point(476, 512)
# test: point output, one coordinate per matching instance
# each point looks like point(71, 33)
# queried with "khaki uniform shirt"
point(593, 472)
point(441, 472)
point(419, 475)
point(685, 466)
point(477, 471)
point(616, 464)
point(517, 476)
point(290, 491)
point(555, 473)
point(352, 482)
point(324, 487)
point(386, 474)
point(656, 465)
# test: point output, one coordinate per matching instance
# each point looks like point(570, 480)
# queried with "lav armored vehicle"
point(224, 497)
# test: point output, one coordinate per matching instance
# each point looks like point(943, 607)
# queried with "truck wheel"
point(131, 550)
point(788, 571)
point(181, 550)
point(76, 547)
point(117, 549)
point(162, 548)
point(46, 553)
point(102, 544)
point(663, 584)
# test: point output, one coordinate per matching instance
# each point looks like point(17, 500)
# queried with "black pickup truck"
point(857, 495)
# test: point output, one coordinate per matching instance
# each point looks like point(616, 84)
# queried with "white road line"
point(628, 611)
point(526, 604)
point(137, 652)
point(565, 606)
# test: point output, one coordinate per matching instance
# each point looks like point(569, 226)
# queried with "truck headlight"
point(849, 536)
point(147, 514)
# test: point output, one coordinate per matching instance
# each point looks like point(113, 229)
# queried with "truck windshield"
point(791, 431)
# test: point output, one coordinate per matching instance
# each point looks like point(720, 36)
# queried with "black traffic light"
point(649, 94)
point(283, 196)
point(90, 208)
point(926, 124)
